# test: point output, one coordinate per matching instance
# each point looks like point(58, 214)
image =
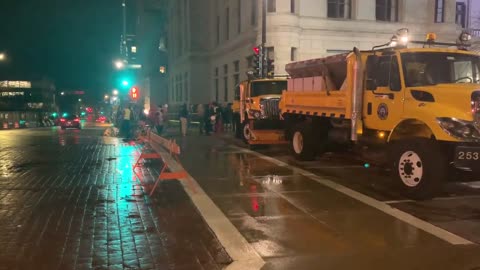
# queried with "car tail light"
point(77, 120)
point(62, 120)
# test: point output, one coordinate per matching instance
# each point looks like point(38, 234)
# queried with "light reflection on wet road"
point(295, 222)
point(69, 200)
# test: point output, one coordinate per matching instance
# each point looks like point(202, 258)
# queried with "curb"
point(244, 256)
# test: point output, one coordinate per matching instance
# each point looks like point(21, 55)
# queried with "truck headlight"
point(459, 129)
point(255, 113)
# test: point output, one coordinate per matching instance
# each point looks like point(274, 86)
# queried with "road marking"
point(244, 256)
point(475, 185)
point(449, 198)
point(382, 206)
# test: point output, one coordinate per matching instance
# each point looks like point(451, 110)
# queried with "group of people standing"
point(214, 118)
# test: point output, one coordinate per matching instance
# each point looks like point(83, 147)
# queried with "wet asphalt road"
point(296, 222)
point(69, 200)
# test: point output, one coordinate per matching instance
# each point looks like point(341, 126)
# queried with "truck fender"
point(410, 128)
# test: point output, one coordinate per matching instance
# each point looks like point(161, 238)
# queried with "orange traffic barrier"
point(5, 125)
point(16, 125)
point(171, 148)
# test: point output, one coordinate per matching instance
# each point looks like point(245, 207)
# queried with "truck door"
point(383, 101)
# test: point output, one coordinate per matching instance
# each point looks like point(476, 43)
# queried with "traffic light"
point(257, 61)
point(270, 68)
point(134, 93)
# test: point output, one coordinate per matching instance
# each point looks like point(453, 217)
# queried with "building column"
point(450, 11)
point(364, 10)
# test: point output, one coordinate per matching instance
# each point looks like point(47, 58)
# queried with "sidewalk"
point(79, 206)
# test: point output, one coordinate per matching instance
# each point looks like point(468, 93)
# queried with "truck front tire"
point(302, 145)
point(420, 167)
point(246, 133)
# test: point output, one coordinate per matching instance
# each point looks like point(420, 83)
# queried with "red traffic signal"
point(134, 93)
point(256, 50)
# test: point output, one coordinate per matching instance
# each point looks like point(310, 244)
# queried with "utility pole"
point(264, 38)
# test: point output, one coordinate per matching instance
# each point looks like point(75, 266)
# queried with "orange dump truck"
point(416, 109)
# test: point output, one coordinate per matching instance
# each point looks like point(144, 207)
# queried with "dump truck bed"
point(317, 103)
point(320, 87)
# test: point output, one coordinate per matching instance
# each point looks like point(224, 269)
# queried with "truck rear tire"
point(302, 145)
point(420, 167)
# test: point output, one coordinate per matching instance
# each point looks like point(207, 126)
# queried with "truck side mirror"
point(372, 68)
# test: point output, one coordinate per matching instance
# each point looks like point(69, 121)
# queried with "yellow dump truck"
point(256, 106)
point(417, 108)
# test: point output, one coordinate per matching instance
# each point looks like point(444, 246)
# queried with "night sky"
point(72, 42)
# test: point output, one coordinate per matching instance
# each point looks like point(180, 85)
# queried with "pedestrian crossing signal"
point(134, 93)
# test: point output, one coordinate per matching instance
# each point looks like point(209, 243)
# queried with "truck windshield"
point(268, 88)
point(430, 68)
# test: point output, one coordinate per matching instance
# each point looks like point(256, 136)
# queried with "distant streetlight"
point(62, 93)
point(119, 64)
point(79, 100)
point(2, 56)
point(115, 92)
point(105, 97)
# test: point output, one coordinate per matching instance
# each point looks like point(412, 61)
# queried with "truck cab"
point(256, 105)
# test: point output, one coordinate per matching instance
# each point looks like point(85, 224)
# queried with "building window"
point(387, 10)
point(253, 17)
point(236, 80)
point(236, 66)
point(216, 71)
point(225, 94)
point(292, 6)
point(227, 23)
point(218, 30)
point(225, 69)
point(439, 11)
point(461, 14)
point(134, 49)
point(239, 16)
point(272, 6)
point(293, 54)
point(339, 9)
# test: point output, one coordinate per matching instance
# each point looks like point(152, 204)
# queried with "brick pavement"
point(70, 201)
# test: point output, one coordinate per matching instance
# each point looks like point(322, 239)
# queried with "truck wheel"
point(302, 143)
point(246, 131)
point(420, 167)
